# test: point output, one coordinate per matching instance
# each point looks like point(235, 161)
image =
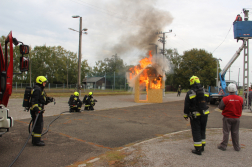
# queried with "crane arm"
point(235, 56)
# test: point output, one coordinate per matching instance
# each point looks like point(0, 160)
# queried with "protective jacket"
point(196, 108)
point(75, 104)
point(38, 100)
point(89, 102)
point(76, 100)
point(196, 101)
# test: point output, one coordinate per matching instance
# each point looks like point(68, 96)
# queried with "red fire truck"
point(6, 76)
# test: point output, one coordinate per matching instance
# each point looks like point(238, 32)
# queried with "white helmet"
point(232, 87)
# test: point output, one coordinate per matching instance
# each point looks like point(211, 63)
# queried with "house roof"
point(92, 79)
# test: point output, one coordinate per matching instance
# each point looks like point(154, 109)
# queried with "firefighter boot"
point(202, 149)
point(33, 139)
point(197, 150)
point(38, 142)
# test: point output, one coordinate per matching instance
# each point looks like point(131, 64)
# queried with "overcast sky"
point(126, 27)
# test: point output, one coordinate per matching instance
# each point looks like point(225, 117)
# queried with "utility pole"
point(162, 40)
point(67, 70)
point(79, 54)
point(217, 60)
point(79, 57)
point(229, 73)
point(238, 76)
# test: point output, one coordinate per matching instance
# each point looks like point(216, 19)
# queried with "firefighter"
point(197, 110)
point(75, 103)
point(38, 100)
point(238, 18)
point(89, 101)
point(179, 91)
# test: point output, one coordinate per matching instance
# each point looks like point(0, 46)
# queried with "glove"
point(186, 117)
point(49, 99)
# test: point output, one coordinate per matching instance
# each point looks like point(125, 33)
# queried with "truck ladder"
point(246, 71)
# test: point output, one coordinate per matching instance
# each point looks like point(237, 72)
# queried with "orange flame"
point(143, 64)
point(156, 83)
point(142, 71)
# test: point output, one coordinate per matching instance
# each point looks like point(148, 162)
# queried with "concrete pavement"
point(170, 149)
point(174, 149)
point(104, 103)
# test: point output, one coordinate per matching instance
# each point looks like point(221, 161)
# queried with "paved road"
point(104, 102)
point(117, 122)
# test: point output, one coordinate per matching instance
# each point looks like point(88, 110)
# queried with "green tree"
point(2, 41)
point(85, 69)
point(100, 68)
point(196, 62)
point(53, 62)
point(111, 66)
point(175, 59)
point(114, 64)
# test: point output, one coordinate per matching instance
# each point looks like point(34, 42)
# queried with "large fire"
point(146, 73)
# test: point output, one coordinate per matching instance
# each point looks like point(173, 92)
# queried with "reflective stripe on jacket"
point(190, 102)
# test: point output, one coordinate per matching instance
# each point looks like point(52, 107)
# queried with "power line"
point(134, 22)
point(92, 6)
point(223, 40)
point(108, 12)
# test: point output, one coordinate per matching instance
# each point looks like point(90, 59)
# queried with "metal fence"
point(19, 87)
point(114, 81)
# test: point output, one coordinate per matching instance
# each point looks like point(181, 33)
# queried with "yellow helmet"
point(76, 93)
point(41, 79)
point(90, 93)
point(194, 79)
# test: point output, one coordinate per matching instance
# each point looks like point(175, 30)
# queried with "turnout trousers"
point(37, 131)
point(75, 107)
point(198, 126)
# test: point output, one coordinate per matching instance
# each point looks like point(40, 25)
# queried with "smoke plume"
point(141, 20)
point(144, 21)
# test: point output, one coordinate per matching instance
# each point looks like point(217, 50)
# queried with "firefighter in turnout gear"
point(197, 110)
point(179, 91)
point(75, 103)
point(89, 101)
point(38, 100)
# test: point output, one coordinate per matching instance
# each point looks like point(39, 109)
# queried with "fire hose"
point(31, 130)
point(26, 141)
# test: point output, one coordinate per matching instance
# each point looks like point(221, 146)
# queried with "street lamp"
point(217, 70)
point(156, 50)
point(79, 54)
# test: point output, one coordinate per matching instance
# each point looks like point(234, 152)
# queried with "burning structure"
point(147, 76)
point(147, 19)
